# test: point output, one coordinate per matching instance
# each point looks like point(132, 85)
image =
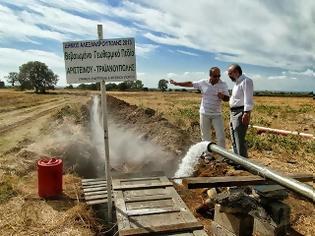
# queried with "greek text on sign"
point(96, 60)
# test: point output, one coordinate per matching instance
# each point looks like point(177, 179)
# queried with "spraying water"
point(129, 152)
point(96, 127)
point(188, 163)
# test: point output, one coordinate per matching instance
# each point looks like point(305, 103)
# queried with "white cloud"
point(145, 50)
point(14, 27)
point(37, 20)
point(283, 82)
point(171, 75)
point(281, 77)
point(307, 72)
point(187, 53)
point(261, 33)
point(15, 57)
point(187, 76)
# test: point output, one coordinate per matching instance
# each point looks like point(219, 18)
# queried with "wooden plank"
point(142, 186)
point(151, 211)
point(199, 233)
point(185, 212)
point(95, 192)
point(95, 202)
point(137, 175)
point(148, 198)
point(94, 183)
point(85, 190)
point(144, 221)
point(96, 196)
point(92, 180)
point(94, 186)
point(163, 229)
point(121, 211)
point(143, 180)
point(227, 181)
point(139, 179)
point(150, 204)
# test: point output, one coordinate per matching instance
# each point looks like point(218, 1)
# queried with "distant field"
point(12, 100)
point(291, 113)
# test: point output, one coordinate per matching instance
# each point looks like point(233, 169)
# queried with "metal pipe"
point(292, 184)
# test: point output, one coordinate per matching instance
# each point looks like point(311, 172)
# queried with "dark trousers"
point(238, 133)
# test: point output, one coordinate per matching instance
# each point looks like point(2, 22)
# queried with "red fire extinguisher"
point(49, 177)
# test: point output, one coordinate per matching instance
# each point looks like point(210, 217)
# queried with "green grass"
point(289, 144)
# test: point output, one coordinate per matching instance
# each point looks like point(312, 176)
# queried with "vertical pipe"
point(106, 143)
point(292, 184)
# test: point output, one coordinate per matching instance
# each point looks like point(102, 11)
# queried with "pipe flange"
point(208, 147)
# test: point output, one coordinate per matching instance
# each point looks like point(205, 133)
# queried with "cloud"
point(37, 19)
point(187, 53)
point(145, 50)
point(281, 77)
point(171, 75)
point(283, 82)
point(14, 27)
point(187, 76)
point(307, 72)
point(18, 57)
point(269, 34)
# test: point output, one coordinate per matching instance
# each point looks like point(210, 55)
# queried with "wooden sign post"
point(101, 60)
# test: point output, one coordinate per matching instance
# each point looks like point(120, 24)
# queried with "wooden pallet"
point(151, 206)
point(95, 191)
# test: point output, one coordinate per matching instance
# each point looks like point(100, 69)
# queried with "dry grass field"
point(30, 124)
point(288, 113)
point(27, 119)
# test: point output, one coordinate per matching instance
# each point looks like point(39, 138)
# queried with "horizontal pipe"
point(280, 131)
point(292, 184)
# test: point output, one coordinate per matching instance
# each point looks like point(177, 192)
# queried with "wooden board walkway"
point(145, 205)
point(151, 206)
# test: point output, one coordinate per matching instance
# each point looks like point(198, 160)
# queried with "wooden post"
point(105, 128)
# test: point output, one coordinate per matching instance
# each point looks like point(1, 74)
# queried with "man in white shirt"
point(213, 92)
point(241, 104)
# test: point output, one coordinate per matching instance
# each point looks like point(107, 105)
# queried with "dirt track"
point(14, 119)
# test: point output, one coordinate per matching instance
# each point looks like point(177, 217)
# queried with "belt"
point(237, 108)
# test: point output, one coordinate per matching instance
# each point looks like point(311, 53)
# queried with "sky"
point(273, 41)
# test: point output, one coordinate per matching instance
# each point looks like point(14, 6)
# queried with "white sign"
point(96, 60)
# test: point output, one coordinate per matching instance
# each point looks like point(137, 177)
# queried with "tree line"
point(36, 75)
point(127, 85)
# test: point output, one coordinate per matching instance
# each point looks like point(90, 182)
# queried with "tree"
point(36, 75)
point(12, 78)
point(123, 86)
point(137, 84)
point(111, 86)
point(163, 85)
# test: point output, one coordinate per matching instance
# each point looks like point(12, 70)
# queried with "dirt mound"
point(151, 124)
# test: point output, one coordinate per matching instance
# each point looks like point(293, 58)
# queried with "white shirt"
point(210, 102)
point(242, 93)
